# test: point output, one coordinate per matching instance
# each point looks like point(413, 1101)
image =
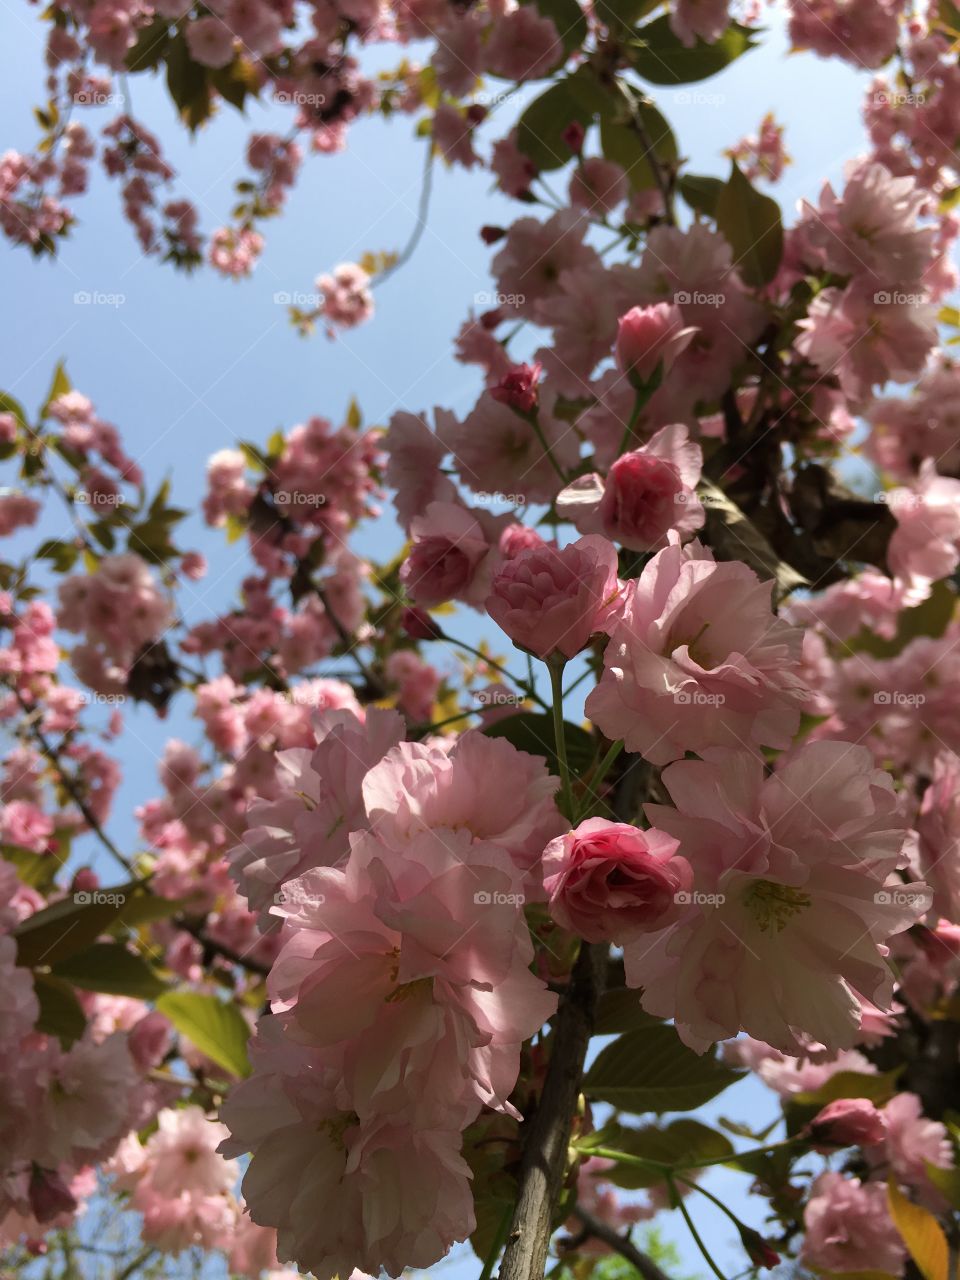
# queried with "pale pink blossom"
point(551, 601)
point(698, 660)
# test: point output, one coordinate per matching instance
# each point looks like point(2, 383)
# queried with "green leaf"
point(188, 84)
point(236, 82)
point(111, 968)
point(569, 19)
point(660, 57)
point(878, 1088)
point(623, 143)
point(532, 731)
point(683, 1143)
point(752, 226)
point(151, 46)
point(652, 1070)
point(60, 1011)
point(921, 1233)
point(930, 618)
point(947, 1182)
point(59, 386)
point(216, 1027)
point(541, 127)
point(9, 405)
point(69, 926)
point(35, 869)
point(620, 1010)
point(701, 192)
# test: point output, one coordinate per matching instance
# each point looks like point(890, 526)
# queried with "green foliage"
point(652, 1070)
point(113, 969)
point(752, 226)
point(660, 57)
point(532, 731)
point(216, 1027)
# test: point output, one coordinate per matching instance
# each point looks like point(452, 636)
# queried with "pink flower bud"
point(418, 625)
point(609, 881)
point(651, 336)
point(518, 388)
point(847, 1122)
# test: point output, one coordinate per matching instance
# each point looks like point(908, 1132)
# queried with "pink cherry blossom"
point(551, 601)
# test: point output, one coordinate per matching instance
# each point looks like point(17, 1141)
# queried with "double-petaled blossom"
point(794, 897)
point(697, 660)
point(646, 493)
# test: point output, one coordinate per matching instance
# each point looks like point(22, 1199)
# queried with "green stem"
point(604, 766)
point(555, 666)
point(643, 393)
point(532, 419)
point(642, 1162)
point(691, 1226)
point(528, 690)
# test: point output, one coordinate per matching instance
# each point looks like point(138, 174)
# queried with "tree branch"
point(544, 1164)
point(594, 1226)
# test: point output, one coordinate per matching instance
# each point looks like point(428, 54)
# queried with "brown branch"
point(544, 1164)
point(596, 1227)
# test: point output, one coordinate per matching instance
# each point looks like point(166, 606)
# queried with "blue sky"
point(185, 366)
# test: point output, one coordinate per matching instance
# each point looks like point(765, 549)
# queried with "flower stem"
point(691, 1226)
point(555, 665)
